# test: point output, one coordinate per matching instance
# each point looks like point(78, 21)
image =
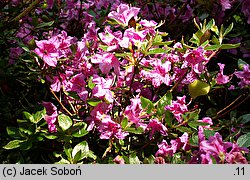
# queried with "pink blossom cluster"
point(109, 70)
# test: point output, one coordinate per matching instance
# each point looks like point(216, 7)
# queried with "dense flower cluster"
point(122, 78)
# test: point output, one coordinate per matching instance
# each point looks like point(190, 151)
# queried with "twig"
point(232, 106)
point(60, 102)
point(26, 11)
point(108, 148)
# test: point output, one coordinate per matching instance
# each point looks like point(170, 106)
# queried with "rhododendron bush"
point(114, 82)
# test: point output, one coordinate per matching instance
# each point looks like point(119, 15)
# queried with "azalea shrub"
point(125, 82)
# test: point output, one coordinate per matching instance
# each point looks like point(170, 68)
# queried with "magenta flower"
point(226, 4)
point(245, 9)
point(102, 88)
point(176, 144)
point(119, 160)
point(178, 108)
point(195, 59)
point(124, 13)
point(221, 78)
point(206, 120)
point(47, 50)
point(107, 61)
point(109, 128)
point(159, 74)
point(14, 54)
point(134, 37)
point(51, 116)
point(164, 149)
point(215, 147)
point(77, 84)
point(244, 76)
point(110, 38)
point(147, 23)
point(155, 125)
point(134, 112)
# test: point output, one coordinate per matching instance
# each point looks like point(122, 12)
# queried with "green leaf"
point(63, 161)
point(94, 102)
point(210, 24)
point(194, 140)
point(184, 129)
point(28, 116)
point(64, 122)
point(208, 133)
point(45, 24)
point(215, 29)
point(244, 118)
point(213, 47)
point(77, 157)
point(14, 132)
point(13, 144)
point(49, 136)
point(168, 118)
point(85, 152)
point(91, 85)
point(124, 122)
point(158, 38)
point(198, 88)
point(229, 29)
point(157, 51)
point(133, 159)
point(230, 46)
point(25, 48)
point(26, 145)
point(194, 124)
point(162, 43)
point(241, 63)
point(215, 40)
point(68, 150)
point(164, 100)
point(244, 140)
point(39, 115)
point(147, 104)
point(79, 129)
point(103, 47)
point(138, 130)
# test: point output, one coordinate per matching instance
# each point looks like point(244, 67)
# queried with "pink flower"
point(51, 116)
point(236, 158)
point(107, 61)
point(110, 38)
point(159, 74)
point(119, 160)
point(14, 54)
point(102, 88)
point(195, 59)
point(225, 152)
point(156, 125)
point(147, 23)
point(206, 120)
point(221, 78)
point(178, 107)
point(124, 13)
point(109, 128)
point(77, 84)
point(134, 112)
point(164, 149)
point(135, 37)
point(245, 9)
point(47, 50)
point(226, 4)
point(244, 76)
